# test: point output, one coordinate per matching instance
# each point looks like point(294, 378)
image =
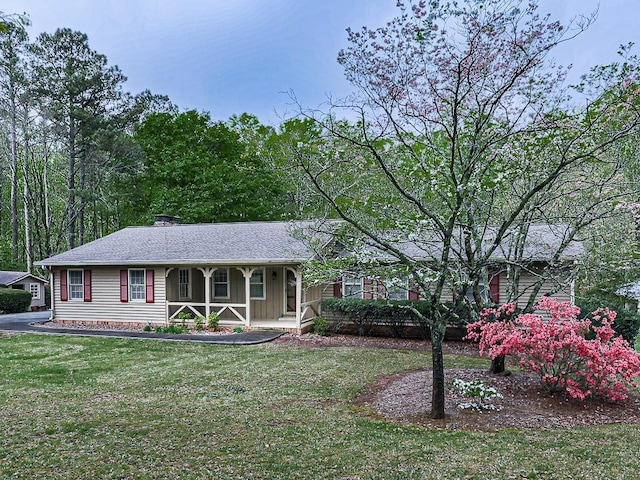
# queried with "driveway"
point(28, 323)
point(21, 321)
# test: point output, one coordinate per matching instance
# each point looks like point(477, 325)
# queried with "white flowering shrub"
point(480, 394)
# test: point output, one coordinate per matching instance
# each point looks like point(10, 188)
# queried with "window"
point(34, 288)
point(352, 287)
point(257, 284)
point(398, 290)
point(184, 283)
point(76, 285)
point(136, 285)
point(221, 283)
point(468, 291)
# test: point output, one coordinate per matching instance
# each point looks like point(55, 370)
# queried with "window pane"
point(220, 276)
point(397, 293)
point(76, 290)
point(184, 283)
point(256, 291)
point(220, 290)
point(136, 285)
point(75, 277)
point(352, 287)
point(398, 289)
point(257, 284)
point(221, 283)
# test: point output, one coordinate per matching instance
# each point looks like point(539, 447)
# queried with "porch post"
point(298, 298)
point(247, 272)
point(52, 285)
point(166, 296)
point(207, 273)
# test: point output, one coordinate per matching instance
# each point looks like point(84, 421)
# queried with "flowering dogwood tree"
point(462, 134)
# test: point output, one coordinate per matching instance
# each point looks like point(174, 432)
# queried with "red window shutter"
point(413, 295)
point(124, 285)
point(494, 287)
point(87, 285)
point(337, 288)
point(413, 291)
point(367, 288)
point(64, 289)
point(149, 285)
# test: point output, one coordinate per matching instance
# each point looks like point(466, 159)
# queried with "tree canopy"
point(199, 170)
point(466, 135)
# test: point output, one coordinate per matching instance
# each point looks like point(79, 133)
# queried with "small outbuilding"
point(25, 281)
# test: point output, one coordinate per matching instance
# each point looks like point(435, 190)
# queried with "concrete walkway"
point(28, 323)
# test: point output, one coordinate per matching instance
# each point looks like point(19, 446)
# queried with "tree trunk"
point(438, 327)
point(14, 177)
point(71, 184)
point(83, 202)
point(45, 193)
point(28, 243)
point(497, 365)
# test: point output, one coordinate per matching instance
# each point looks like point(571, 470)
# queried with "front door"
point(290, 289)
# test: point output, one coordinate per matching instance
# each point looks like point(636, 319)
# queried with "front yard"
point(110, 408)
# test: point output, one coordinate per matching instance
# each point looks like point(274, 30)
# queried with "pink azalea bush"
point(555, 348)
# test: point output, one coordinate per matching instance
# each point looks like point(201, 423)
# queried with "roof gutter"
point(158, 263)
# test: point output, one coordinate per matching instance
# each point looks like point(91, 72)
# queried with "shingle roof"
point(260, 243)
point(542, 243)
point(10, 277)
point(250, 243)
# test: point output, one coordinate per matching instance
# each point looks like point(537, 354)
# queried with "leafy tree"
point(77, 91)
point(9, 20)
point(199, 170)
point(13, 85)
point(465, 136)
point(278, 148)
point(66, 126)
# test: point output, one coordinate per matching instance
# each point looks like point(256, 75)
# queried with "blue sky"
point(234, 56)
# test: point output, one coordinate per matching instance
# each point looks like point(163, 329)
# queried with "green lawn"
point(76, 407)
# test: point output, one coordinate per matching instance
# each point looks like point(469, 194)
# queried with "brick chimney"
point(162, 220)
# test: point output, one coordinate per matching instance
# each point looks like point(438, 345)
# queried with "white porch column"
point(52, 286)
point(166, 295)
point(247, 272)
point(298, 298)
point(207, 272)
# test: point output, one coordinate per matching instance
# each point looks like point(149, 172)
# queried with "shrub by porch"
point(393, 318)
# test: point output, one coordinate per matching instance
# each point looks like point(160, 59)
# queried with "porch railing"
point(218, 308)
point(309, 307)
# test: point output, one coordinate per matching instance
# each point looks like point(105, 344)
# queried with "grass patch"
point(78, 407)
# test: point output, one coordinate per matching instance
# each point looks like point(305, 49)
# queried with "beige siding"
point(106, 304)
point(526, 285)
point(313, 294)
point(327, 291)
point(527, 282)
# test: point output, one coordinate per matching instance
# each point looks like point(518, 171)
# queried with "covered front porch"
point(243, 296)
